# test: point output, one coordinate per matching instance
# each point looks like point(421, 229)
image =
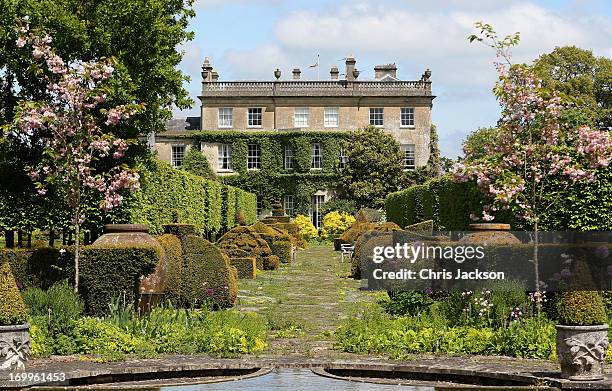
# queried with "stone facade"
point(290, 104)
point(280, 101)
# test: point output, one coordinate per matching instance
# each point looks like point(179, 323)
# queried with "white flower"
point(62, 251)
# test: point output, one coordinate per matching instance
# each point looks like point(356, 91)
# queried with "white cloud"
point(259, 63)
point(416, 35)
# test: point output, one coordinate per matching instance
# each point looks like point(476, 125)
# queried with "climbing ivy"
point(272, 182)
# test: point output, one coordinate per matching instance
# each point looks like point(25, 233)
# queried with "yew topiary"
point(12, 308)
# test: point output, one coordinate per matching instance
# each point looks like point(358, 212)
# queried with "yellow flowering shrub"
point(336, 223)
point(305, 226)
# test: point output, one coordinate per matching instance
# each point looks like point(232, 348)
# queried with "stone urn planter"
point(14, 346)
point(490, 233)
point(581, 351)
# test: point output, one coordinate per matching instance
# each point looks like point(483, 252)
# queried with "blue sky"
point(248, 39)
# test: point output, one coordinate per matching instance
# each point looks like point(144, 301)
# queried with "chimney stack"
point(381, 71)
point(350, 68)
point(296, 73)
point(334, 72)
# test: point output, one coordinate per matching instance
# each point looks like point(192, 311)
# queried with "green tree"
point(196, 163)
point(142, 36)
point(582, 78)
point(477, 144)
point(374, 168)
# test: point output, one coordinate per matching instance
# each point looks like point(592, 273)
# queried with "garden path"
point(304, 301)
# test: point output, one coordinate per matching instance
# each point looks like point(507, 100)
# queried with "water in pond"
point(294, 380)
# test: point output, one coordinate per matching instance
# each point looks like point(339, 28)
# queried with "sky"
point(249, 39)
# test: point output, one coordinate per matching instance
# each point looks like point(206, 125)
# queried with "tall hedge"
point(247, 203)
point(447, 203)
point(168, 194)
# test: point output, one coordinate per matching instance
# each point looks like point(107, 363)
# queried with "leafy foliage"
point(582, 78)
point(169, 194)
point(59, 305)
point(336, 223)
point(447, 203)
point(373, 169)
point(196, 163)
point(306, 228)
point(101, 280)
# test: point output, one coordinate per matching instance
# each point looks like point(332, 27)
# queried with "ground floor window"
point(409, 156)
point(178, 154)
point(225, 157)
point(315, 211)
point(288, 205)
point(259, 207)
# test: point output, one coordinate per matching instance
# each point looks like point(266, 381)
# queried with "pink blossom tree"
point(533, 145)
point(67, 124)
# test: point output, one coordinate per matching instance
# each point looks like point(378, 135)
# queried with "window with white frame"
point(407, 116)
point(376, 116)
point(332, 117)
point(253, 157)
point(255, 117)
point(409, 156)
point(300, 117)
point(178, 154)
point(315, 210)
point(225, 157)
point(288, 157)
point(343, 159)
point(288, 205)
point(259, 207)
point(226, 117)
point(317, 156)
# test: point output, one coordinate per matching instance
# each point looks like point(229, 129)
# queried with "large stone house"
point(402, 108)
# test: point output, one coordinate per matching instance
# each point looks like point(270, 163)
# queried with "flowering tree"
point(532, 145)
point(66, 122)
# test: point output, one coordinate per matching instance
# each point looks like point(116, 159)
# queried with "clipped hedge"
point(37, 268)
point(174, 273)
point(169, 195)
point(247, 267)
point(12, 308)
point(246, 203)
point(447, 203)
point(107, 272)
point(208, 274)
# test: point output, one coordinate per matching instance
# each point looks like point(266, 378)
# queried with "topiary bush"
point(195, 162)
point(280, 242)
point(242, 242)
point(208, 274)
point(174, 272)
point(578, 307)
point(246, 267)
point(12, 308)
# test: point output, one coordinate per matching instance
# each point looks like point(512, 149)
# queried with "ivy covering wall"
point(169, 195)
point(272, 182)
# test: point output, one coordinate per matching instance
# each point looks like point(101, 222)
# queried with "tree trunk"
point(29, 240)
point(64, 236)
point(51, 237)
point(536, 265)
point(9, 238)
point(77, 227)
point(19, 238)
